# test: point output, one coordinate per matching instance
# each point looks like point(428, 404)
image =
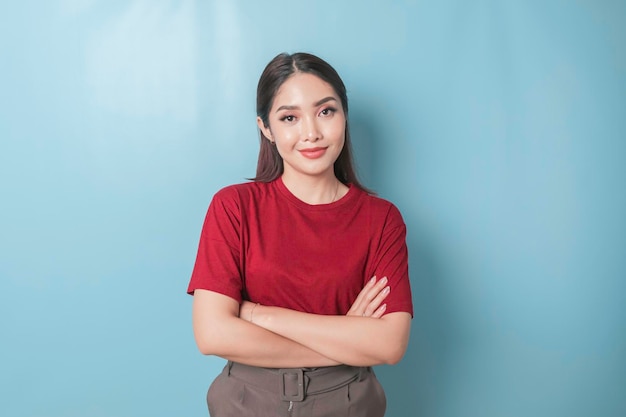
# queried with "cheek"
point(283, 133)
point(338, 130)
point(283, 144)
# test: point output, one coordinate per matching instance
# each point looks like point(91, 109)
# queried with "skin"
point(306, 115)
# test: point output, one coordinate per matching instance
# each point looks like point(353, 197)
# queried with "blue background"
point(497, 127)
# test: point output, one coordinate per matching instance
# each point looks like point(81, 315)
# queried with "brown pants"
point(345, 391)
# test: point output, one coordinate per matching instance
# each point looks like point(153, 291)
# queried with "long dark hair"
point(279, 69)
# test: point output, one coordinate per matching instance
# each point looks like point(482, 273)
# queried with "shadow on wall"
point(415, 385)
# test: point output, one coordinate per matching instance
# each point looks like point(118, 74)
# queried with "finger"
point(379, 311)
point(369, 295)
point(376, 301)
point(380, 285)
point(381, 296)
point(359, 303)
point(372, 293)
point(366, 289)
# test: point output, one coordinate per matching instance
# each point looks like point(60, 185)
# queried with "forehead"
point(302, 89)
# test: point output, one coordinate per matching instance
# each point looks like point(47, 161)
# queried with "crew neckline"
point(284, 191)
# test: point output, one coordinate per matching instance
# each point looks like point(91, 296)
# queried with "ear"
point(264, 129)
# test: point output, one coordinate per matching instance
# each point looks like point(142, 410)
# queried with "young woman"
point(301, 279)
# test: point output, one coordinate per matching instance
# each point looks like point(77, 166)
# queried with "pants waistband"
point(294, 384)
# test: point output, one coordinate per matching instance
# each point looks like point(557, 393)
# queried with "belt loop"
point(362, 371)
point(229, 365)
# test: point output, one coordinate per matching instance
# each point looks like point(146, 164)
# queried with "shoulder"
point(238, 199)
point(382, 210)
point(229, 204)
point(241, 192)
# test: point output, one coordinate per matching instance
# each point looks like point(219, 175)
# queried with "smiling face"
point(307, 125)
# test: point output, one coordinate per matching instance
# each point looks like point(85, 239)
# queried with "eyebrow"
point(318, 103)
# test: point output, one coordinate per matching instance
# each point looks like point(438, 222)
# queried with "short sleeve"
point(218, 262)
point(391, 261)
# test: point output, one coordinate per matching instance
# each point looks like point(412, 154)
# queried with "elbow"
point(397, 341)
point(214, 341)
point(211, 336)
point(208, 348)
point(394, 351)
point(394, 358)
point(394, 355)
point(204, 346)
point(209, 343)
point(387, 356)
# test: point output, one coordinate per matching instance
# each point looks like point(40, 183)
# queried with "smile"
point(313, 153)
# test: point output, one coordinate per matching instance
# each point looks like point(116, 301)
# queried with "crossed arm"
point(282, 338)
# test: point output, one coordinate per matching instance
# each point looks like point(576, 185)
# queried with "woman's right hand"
point(369, 302)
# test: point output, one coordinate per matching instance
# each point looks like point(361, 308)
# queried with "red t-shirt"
point(261, 243)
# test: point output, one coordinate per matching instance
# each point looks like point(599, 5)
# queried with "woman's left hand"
point(369, 302)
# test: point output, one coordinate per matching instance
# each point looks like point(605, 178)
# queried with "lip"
point(313, 153)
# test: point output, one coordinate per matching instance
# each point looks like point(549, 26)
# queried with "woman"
point(301, 279)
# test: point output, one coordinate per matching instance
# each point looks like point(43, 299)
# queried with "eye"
point(328, 111)
point(289, 118)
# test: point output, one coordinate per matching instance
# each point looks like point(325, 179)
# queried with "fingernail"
point(373, 280)
point(386, 290)
point(384, 280)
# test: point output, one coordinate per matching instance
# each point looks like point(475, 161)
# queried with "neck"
point(312, 190)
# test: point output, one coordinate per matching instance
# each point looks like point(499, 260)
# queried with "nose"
point(311, 132)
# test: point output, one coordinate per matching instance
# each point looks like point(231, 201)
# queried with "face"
point(307, 125)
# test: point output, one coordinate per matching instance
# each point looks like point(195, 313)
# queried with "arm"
point(358, 339)
point(219, 331)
